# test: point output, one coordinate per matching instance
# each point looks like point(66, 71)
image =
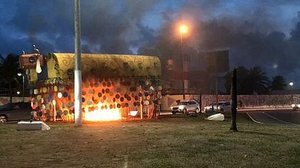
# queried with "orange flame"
point(102, 114)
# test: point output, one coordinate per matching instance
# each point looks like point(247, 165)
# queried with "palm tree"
point(242, 78)
point(242, 81)
point(257, 81)
point(278, 83)
point(249, 81)
point(8, 72)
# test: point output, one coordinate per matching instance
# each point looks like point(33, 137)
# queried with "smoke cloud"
point(258, 33)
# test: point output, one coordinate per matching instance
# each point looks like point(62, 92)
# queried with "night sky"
point(263, 33)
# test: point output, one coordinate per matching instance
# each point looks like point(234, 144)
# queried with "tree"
point(242, 79)
point(249, 81)
point(258, 82)
point(8, 72)
point(278, 83)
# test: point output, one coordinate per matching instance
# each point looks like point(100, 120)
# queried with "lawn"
point(166, 142)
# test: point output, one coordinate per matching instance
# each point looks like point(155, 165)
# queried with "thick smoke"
point(254, 32)
point(258, 33)
point(107, 26)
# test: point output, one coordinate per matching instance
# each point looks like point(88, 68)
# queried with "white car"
point(295, 106)
point(222, 106)
point(186, 106)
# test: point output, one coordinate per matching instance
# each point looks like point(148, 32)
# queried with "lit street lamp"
point(291, 84)
point(23, 84)
point(183, 29)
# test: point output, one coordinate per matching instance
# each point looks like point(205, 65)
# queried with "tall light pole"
point(183, 29)
point(291, 84)
point(77, 68)
point(23, 85)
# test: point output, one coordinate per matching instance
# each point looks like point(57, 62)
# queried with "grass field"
point(167, 142)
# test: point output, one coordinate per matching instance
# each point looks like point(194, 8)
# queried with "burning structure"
point(114, 87)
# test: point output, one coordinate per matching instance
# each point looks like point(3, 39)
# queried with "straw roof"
point(104, 65)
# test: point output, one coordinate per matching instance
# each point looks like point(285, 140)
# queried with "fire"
point(100, 114)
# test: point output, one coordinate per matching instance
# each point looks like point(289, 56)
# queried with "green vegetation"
point(167, 142)
point(254, 80)
point(9, 80)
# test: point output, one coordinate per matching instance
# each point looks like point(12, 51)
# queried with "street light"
point(291, 84)
point(183, 29)
point(23, 85)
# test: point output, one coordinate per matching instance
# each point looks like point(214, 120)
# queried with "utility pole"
point(183, 29)
point(233, 100)
point(182, 59)
point(77, 68)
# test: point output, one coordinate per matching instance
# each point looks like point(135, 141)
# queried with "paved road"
point(287, 117)
point(266, 116)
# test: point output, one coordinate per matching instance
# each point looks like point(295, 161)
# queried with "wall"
point(5, 100)
point(247, 100)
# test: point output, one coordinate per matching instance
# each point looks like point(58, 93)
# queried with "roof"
point(104, 65)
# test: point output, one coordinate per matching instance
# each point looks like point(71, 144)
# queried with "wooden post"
point(233, 101)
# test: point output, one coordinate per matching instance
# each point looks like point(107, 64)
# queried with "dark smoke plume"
point(258, 33)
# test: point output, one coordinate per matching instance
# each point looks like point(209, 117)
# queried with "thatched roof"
point(103, 65)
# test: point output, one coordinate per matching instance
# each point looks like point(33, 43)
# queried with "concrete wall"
point(5, 100)
point(247, 100)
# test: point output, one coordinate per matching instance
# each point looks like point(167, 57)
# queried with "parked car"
point(295, 106)
point(185, 107)
point(15, 112)
point(222, 106)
